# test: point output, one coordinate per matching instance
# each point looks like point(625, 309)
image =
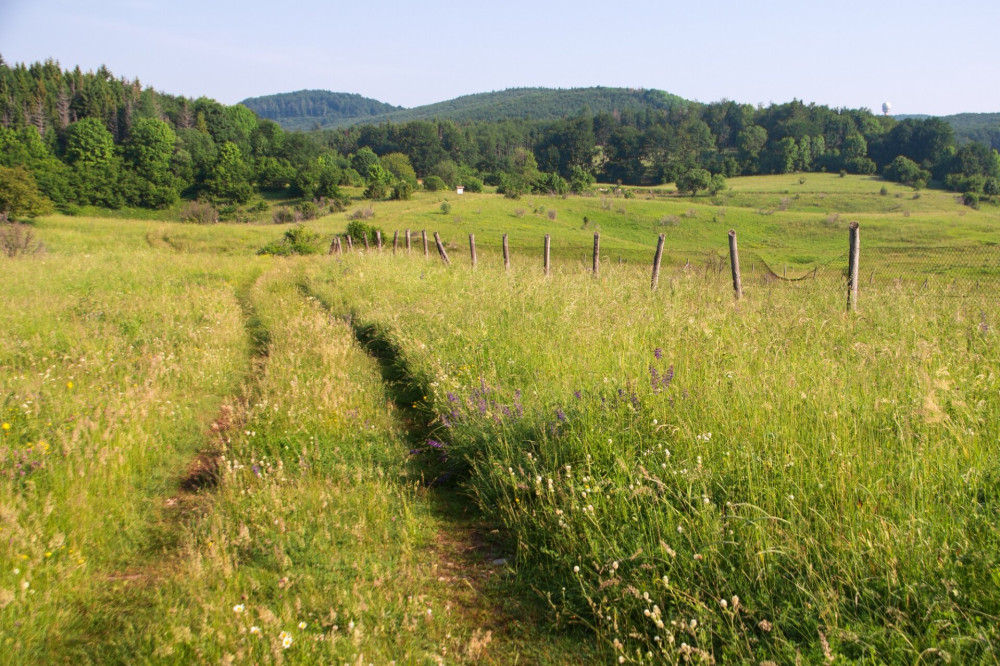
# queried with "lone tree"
point(19, 195)
point(693, 180)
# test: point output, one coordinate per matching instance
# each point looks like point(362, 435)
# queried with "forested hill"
point(312, 109)
point(304, 110)
point(978, 127)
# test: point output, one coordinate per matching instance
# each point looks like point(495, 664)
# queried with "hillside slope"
point(312, 109)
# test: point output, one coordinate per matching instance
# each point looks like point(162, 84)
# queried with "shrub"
point(358, 231)
point(884, 191)
point(473, 185)
point(552, 214)
point(669, 221)
point(365, 213)
point(434, 184)
point(283, 215)
point(403, 190)
point(297, 240)
point(971, 199)
point(445, 207)
point(17, 239)
point(199, 212)
point(308, 210)
point(519, 212)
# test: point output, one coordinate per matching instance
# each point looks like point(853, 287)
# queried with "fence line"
point(956, 271)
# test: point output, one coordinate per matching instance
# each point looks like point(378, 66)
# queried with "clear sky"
point(924, 57)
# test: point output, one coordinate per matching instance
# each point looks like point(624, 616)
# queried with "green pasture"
point(209, 455)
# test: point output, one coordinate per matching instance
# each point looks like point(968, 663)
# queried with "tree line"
point(73, 138)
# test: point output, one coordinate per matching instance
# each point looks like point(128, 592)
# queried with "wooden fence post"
point(350, 242)
point(440, 247)
point(395, 240)
point(506, 254)
point(407, 241)
point(364, 237)
point(734, 262)
point(378, 239)
point(597, 253)
point(547, 247)
point(854, 254)
point(333, 246)
point(472, 248)
point(423, 236)
point(656, 262)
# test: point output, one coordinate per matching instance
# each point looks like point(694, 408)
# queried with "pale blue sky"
point(924, 57)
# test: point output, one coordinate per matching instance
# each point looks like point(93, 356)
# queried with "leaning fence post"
point(547, 247)
point(597, 253)
point(854, 253)
point(378, 239)
point(423, 236)
point(656, 262)
point(734, 262)
point(350, 242)
point(407, 241)
point(333, 245)
point(506, 254)
point(472, 248)
point(395, 240)
point(364, 237)
point(440, 247)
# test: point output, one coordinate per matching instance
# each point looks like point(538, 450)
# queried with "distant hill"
point(981, 127)
point(311, 109)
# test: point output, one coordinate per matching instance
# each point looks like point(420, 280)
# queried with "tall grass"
point(693, 477)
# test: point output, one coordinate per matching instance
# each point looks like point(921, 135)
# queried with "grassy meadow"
point(212, 456)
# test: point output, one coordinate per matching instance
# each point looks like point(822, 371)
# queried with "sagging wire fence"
point(970, 271)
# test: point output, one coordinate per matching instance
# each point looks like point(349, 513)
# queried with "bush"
point(365, 213)
point(297, 240)
point(402, 190)
point(199, 212)
point(434, 184)
point(358, 231)
point(283, 215)
point(307, 210)
point(552, 214)
point(445, 207)
point(17, 239)
point(884, 191)
point(971, 199)
point(473, 185)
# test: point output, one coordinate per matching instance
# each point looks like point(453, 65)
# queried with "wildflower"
point(723, 603)
point(576, 569)
point(577, 395)
point(561, 415)
point(239, 608)
point(254, 630)
point(434, 443)
point(286, 640)
point(69, 385)
point(6, 426)
point(302, 625)
point(658, 353)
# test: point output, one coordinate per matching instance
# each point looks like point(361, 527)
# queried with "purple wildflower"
point(658, 353)
point(452, 397)
point(414, 452)
point(434, 443)
point(256, 470)
point(668, 377)
point(577, 395)
point(561, 415)
point(654, 377)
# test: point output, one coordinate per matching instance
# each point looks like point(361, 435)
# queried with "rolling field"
point(208, 455)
